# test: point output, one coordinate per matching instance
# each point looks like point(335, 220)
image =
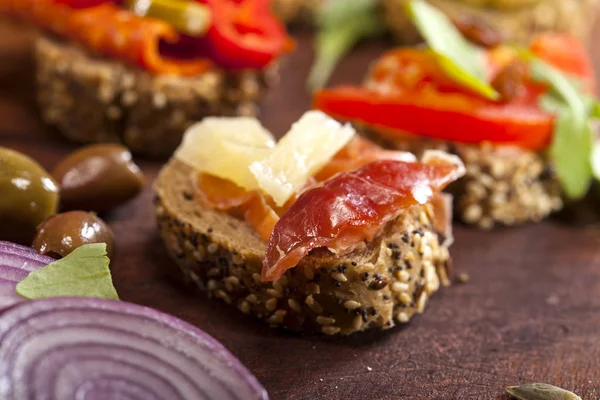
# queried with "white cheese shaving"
point(304, 150)
point(225, 147)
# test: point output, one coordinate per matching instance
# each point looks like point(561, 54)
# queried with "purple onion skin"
point(93, 349)
point(16, 262)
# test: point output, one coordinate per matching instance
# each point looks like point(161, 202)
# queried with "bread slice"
point(386, 282)
point(95, 100)
point(503, 185)
point(516, 20)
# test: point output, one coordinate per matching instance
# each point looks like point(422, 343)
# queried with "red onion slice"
point(93, 349)
point(16, 262)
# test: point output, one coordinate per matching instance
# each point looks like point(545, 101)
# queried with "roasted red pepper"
point(445, 116)
point(408, 95)
point(245, 33)
point(568, 54)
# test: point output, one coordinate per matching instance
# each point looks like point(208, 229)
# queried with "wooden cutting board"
point(530, 312)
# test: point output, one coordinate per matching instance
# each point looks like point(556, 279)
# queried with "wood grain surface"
point(530, 312)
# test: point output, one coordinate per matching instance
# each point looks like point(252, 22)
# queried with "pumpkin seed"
point(540, 391)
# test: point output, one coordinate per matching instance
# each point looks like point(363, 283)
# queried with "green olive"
point(62, 233)
point(28, 195)
point(98, 178)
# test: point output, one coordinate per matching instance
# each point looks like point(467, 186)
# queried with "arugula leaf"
point(596, 160)
point(342, 25)
point(573, 140)
point(460, 59)
point(83, 273)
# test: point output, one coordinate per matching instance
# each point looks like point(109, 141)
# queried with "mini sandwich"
point(322, 232)
point(142, 71)
point(519, 118)
point(515, 20)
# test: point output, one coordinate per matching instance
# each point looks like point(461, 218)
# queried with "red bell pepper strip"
point(245, 33)
point(567, 54)
point(350, 208)
point(444, 116)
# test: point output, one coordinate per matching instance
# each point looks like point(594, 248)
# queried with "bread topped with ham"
point(321, 232)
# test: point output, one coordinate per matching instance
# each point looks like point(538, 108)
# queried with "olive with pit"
point(28, 195)
point(62, 233)
point(98, 178)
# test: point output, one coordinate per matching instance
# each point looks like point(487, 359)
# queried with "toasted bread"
point(387, 281)
point(92, 99)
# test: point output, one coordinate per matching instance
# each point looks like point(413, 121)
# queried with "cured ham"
point(352, 207)
point(260, 211)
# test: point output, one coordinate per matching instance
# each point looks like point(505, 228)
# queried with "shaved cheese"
point(303, 151)
point(225, 147)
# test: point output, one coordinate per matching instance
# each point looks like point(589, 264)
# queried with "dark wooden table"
point(531, 311)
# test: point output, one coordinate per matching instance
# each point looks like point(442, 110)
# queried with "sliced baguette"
point(386, 282)
point(94, 100)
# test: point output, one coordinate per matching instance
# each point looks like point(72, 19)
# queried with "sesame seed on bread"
point(385, 282)
point(91, 99)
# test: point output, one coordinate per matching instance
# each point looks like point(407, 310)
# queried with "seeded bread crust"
point(503, 185)
point(516, 20)
point(95, 100)
point(386, 282)
point(290, 11)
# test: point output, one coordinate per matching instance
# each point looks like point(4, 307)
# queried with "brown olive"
point(62, 233)
point(477, 31)
point(28, 195)
point(510, 81)
point(98, 178)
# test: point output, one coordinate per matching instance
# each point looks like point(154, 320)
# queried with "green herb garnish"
point(342, 24)
point(540, 391)
point(83, 273)
point(460, 59)
point(573, 140)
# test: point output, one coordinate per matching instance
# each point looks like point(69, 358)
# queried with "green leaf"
point(462, 61)
point(83, 273)
point(342, 24)
point(594, 107)
point(573, 140)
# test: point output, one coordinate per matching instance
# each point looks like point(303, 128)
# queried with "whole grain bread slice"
point(385, 282)
point(91, 99)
